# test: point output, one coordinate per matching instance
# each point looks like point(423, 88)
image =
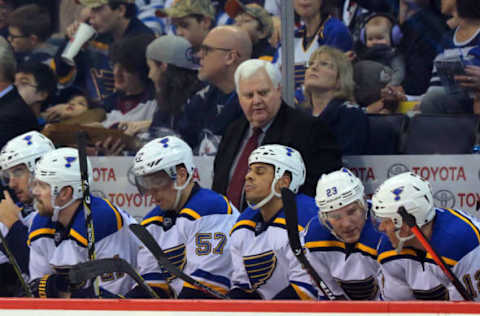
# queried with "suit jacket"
point(290, 127)
point(16, 117)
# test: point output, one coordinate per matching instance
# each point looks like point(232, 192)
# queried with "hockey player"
point(409, 271)
point(260, 250)
point(341, 242)
point(190, 223)
point(17, 162)
point(58, 237)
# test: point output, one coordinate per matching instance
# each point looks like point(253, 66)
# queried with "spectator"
point(173, 71)
point(422, 31)
point(133, 99)
point(77, 110)
point(379, 64)
point(113, 20)
point(29, 28)
point(6, 6)
point(255, 20)
point(192, 19)
point(329, 90)
point(213, 108)
point(16, 117)
point(37, 84)
point(269, 120)
point(320, 27)
point(464, 43)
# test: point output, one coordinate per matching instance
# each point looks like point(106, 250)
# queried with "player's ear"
point(284, 181)
point(66, 193)
point(182, 174)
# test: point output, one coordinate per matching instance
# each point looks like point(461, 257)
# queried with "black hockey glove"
point(50, 285)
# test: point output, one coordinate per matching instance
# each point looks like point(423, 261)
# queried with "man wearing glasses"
point(17, 162)
point(213, 108)
point(341, 241)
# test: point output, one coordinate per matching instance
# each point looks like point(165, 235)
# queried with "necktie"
point(235, 189)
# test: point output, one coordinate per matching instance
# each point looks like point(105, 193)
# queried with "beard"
point(41, 208)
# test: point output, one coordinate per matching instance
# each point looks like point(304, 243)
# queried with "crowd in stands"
point(167, 67)
point(162, 80)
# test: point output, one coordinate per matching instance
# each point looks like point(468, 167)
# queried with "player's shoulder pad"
point(205, 202)
point(455, 234)
point(106, 221)
point(42, 226)
point(307, 209)
point(155, 216)
point(247, 220)
point(317, 231)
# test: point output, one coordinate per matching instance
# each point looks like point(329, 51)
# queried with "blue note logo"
point(69, 160)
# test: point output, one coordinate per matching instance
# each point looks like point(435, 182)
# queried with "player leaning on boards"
point(264, 264)
point(409, 271)
point(190, 223)
point(58, 237)
point(17, 163)
point(341, 241)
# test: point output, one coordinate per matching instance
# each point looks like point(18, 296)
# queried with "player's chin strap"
point(401, 240)
point(268, 198)
point(57, 209)
point(180, 190)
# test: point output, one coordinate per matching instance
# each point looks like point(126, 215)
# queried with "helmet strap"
point(401, 240)
point(57, 209)
point(180, 190)
point(268, 198)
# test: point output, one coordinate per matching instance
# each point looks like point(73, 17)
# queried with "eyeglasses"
point(206, 49)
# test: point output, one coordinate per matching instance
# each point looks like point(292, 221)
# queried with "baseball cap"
point(98, 3)
point(370, 78)
point(172, 49)
point(236, 7)
point(182, 8)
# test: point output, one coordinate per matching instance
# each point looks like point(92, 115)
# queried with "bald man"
point(213, 108)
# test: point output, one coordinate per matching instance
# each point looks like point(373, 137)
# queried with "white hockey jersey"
point(195, 240)
point(51, 249)
point(349, 270)
point(412, 274)
point(262, 258)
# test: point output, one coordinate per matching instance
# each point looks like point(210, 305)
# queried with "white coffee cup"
point(82, 35)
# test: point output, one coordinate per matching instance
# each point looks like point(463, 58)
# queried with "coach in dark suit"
point(259, 92)
point(16, 117)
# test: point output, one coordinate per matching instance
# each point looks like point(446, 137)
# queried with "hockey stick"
point(291, 217)
point(409, 219)
point(147, 239)
point(82, 156)
point(11, 258)
point(91, 269)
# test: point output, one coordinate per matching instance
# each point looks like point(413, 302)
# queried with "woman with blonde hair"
point(329, 94)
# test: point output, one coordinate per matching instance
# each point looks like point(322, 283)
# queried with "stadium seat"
point(441, 134)
point(386, 133)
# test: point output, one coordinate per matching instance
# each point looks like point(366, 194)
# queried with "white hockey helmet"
point(25, 149)
point(338, 189)
point(283, 159)
point(163, 154)
point(408, 190)
point(61, 168)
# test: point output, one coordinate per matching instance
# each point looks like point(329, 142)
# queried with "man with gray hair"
point(15, 116)
point(269, 120)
